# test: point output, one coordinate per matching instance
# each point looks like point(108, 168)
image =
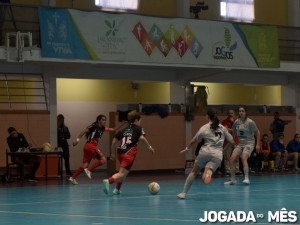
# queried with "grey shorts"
point(207, 160)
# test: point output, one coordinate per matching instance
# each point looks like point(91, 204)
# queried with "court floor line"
point(99, 217)
point(122, 197)
point(117, 218)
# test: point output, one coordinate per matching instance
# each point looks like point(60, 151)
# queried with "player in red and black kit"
point(127, 150)
point(91, 151)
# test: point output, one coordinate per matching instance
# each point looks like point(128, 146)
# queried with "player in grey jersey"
point(211, 154)
point(246, 131)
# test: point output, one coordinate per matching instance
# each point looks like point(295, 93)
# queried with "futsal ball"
point(153, 188)
point(47, 147)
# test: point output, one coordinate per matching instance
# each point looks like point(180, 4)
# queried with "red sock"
point(118, 185)
point(77, 172)
point(111, 180)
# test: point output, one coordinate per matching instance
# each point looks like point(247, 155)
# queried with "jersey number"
point(125, 142)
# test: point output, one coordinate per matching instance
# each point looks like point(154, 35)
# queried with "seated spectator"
point(293, 149)
point(15, 141)
point(278, 152)
point(264, 151)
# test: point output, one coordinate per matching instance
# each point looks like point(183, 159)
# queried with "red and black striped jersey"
point(95, 133)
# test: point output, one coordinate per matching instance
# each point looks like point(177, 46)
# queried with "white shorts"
point(244, 148)
point(208, 160)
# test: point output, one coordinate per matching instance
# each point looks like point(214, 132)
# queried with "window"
point(117, 4)
point(237, 9)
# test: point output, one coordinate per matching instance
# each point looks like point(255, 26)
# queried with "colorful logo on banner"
point(155, 38)
point(110, 42)
point(224, 50)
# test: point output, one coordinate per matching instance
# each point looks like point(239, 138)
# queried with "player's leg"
point(234, 156)
point(247, 151)
point(126, 162)
point(211, 166)
point(101, 159)
point(189, 181)
point(86, 159)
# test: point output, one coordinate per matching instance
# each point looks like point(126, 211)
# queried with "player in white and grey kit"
point(211, 154)
point(246, 131)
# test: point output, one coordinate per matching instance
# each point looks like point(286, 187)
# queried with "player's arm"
point(189, 146)
point(229, 137)
point(257, 136)
point(146, 143)
point(119, 127)
point(80, 136)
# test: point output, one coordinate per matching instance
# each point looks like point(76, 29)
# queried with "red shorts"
point(91, 151)
point(126, 160)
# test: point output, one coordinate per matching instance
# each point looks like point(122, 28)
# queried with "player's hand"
point(233, 145)
point(184, 150)
point(112, 157)
point(257, 148)
point(151, 149)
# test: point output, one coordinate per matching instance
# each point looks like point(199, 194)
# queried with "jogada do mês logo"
point(224, 50)
point(281, 216)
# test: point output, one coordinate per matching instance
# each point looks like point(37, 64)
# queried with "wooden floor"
point(56, 202)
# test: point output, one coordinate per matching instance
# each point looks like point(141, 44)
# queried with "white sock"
point(246, 172)
point(189, 180)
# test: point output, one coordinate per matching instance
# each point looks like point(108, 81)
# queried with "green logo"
point(112, 28)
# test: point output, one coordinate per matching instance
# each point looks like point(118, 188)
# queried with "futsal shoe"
point(116, 192)
point(207, 178)
point(246, 181)
point(88, 173)
point(105, 186)
point(230, 182)
point(181, 195)
point(73, 181)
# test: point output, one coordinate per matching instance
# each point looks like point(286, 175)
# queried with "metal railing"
point(22, 92)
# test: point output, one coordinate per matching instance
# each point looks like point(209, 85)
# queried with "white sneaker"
point(181, 195)
point(116, 192)
point(230, 182)
point(73, 181)
point(88, 173)
point(246, 181)
point(105, 186)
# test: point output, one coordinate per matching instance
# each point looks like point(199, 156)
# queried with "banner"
point(98, 36)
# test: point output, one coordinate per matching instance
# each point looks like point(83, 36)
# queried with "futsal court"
point(57, 202)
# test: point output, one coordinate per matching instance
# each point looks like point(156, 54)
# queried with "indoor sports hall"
point(169, 60)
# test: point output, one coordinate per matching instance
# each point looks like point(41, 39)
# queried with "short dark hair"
point(11, 129)
point(60, 116)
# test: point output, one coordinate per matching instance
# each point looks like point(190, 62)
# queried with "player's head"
point(12, 132)
point(243, 111)
point(265, 138)
point(212, 116)
point(133, 116)
point(101, 120)
point(60, 120)
point(230, 113)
